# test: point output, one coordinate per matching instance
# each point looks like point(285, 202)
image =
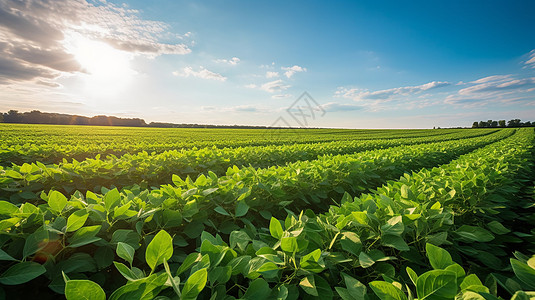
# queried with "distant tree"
point(514, 123)
point(494, 124)
point(501, 123)
point(1, 118)
point(489, 123)
point(475, 125)
point(527, 124)
point(12, 116)
point(483, 124)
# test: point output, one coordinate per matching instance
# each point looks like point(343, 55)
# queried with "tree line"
point(502, 123)
point(38, 117)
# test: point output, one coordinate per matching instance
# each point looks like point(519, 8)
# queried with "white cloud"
point(34, 35)
point(233, 61)
point(274, 86)
point(495, 86)
point(530, 63)
point(492, 78)
point(388, 94)
point(281, 96)
point(270, 74)
point(290, 71)
point(201, 73)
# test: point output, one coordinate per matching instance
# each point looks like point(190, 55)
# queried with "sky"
point(343, 64)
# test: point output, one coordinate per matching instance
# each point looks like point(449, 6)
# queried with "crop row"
point(25, 182)
point(302, 257)
point(51, 144)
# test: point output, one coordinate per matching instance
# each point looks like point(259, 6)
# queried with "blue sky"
point(367, 64)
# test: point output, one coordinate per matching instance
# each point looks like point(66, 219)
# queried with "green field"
point(145, 213)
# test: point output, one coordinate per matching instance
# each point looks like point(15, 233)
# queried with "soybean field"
point(151, 213)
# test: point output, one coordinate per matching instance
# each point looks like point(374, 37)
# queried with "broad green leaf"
point(159, 249)
point(498, 228)
point(35, 241)
point(21, 273)
point(436, 283)
point(354, 288)
point(275, 228)
point(142, 289)
point(6, 257)
point(438, 257)
point(188, 262)
point(125, 252)
point(365, 260)
point(112, 199)
point(241, 208)
point(175, 281)
point(194, 285)
point(240, 239)
point(474, 234)
point(525, 273)
point(56, 201)
point(308, 284)
point(395, 242)
point(387, 291)
point(85, 235)
point(127, 272)
point(412, 275)
point(83, 290)
point(289, 244)
point(258, 290)
point(7, 208)
point(76, 220)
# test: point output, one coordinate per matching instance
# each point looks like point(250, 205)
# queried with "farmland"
point(143, 213)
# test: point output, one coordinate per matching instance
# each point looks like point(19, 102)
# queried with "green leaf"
point(83, 290)
point(474, 234)
point(194, 285)
point(365, 260)
point(143, 289)
point(412, 275)
point(435, 284)
point(525, 273)
point(241, 209)
point(56, 201)
point(387, 291)
point(159, 249)
point(85, 235)
point(112, 199)
point(76, 220)
point(221, 211)
point(395, 242)
point(35, 241)
point(21, 273)
point(126, 272)
point(240, 239)
point(308, 284)
point(7, 208)
point(498, 228)
point(354, 290)
point(6, 257)
point(125, 252)
point(438, 257)
point(258, 290)
point(175, 281)
point(188, 262)
point(289, 244)
point(275, 228)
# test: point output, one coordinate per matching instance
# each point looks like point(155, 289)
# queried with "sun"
point(106, 70)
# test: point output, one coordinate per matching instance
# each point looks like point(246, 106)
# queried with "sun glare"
point(107, 70)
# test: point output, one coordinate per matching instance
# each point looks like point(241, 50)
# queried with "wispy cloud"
point(282, 96)
point(388, 94)
point(502, 88)
point(270, 74)
point(233, 61)
point(271, 87)
point(35, 32)
point(290, 71)
point(530, 62)
point(201, 73)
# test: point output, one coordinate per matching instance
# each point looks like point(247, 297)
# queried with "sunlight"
point(107, 70)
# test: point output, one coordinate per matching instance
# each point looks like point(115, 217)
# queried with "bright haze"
point(367, 64)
